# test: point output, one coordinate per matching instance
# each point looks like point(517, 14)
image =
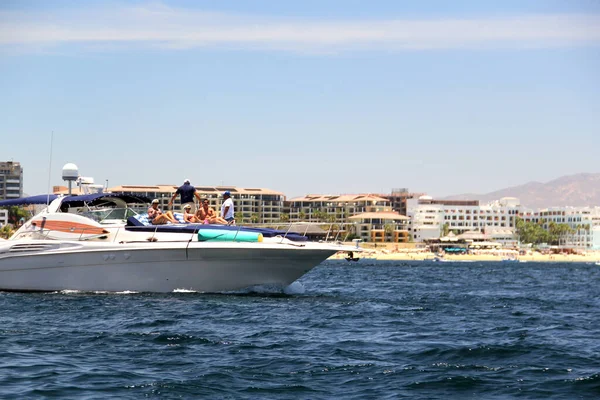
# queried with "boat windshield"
point(103, 214)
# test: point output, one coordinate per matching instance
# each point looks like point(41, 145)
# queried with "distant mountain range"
point(572, 190)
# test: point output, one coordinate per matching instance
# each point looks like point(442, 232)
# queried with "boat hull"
point(156, 267)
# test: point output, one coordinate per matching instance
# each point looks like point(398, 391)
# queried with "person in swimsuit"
point(156, 216)
point(207, 215)
point(188, 216)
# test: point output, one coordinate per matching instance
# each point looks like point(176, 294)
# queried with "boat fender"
point(228, 236)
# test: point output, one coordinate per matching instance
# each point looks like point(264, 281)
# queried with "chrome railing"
point(330, 232)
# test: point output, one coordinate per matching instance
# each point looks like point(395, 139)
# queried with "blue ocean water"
point(383, 330)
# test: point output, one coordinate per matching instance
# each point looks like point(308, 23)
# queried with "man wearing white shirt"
point(227, 208)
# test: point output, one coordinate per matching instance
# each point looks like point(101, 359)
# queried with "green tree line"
point(534, 233)
point(14, 216)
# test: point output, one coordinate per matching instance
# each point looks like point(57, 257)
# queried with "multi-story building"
point(583, 221)
point(369, 217)
point(431, 217)
point(252, 205)
point(399, 199)
point(11, 180)
point(497, 220)
point(333, 208)
point(381, 226)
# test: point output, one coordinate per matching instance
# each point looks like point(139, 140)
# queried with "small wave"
point(474, 367)
point(184, 339)
point(591, 378)
point(123, 292)
point(476, 352)
point(184, 291)
point(72, 291)
point(460, 382)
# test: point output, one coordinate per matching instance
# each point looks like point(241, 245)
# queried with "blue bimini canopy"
point(24, 201)
point(98, 198)
point(75, 201)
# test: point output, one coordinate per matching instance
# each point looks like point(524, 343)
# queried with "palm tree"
point(6, 231)
point(319, 215)
point(388, 229)
point(350, 230)
point(302, 215)
point(15, 214)
point(445, 229)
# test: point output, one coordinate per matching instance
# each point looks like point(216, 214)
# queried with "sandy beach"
point(588, 257)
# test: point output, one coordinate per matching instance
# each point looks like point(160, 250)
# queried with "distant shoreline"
point(590, 257)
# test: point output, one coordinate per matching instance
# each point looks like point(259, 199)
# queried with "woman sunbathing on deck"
point(156, 216)
point(188, 217)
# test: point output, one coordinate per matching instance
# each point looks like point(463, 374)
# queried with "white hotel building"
point(584, 222)
point(497, 219)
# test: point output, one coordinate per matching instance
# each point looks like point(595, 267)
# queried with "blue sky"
point(302, 97)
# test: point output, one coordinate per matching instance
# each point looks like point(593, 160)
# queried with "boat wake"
point(294, 288)
point(69, 291)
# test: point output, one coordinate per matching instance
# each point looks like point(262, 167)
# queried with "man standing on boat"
point(187, 192)
point(227, 208)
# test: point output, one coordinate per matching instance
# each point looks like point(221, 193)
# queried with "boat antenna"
point(49, 170)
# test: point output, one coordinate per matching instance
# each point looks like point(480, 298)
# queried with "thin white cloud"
point(159, 25)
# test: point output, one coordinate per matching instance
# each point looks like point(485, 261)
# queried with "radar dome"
point(70, 172)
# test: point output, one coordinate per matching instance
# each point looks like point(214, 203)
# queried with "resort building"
point(11, 180)
point(366, 216)
point(399, 199)
point(382, 226)
point(333, 208)
point(583, 221)
point(431, 219)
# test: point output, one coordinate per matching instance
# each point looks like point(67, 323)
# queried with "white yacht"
point(100, 242)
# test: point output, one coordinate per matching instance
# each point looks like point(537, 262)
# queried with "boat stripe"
point(72, 227)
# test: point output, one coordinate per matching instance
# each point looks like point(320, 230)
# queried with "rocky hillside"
point(570, 190)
